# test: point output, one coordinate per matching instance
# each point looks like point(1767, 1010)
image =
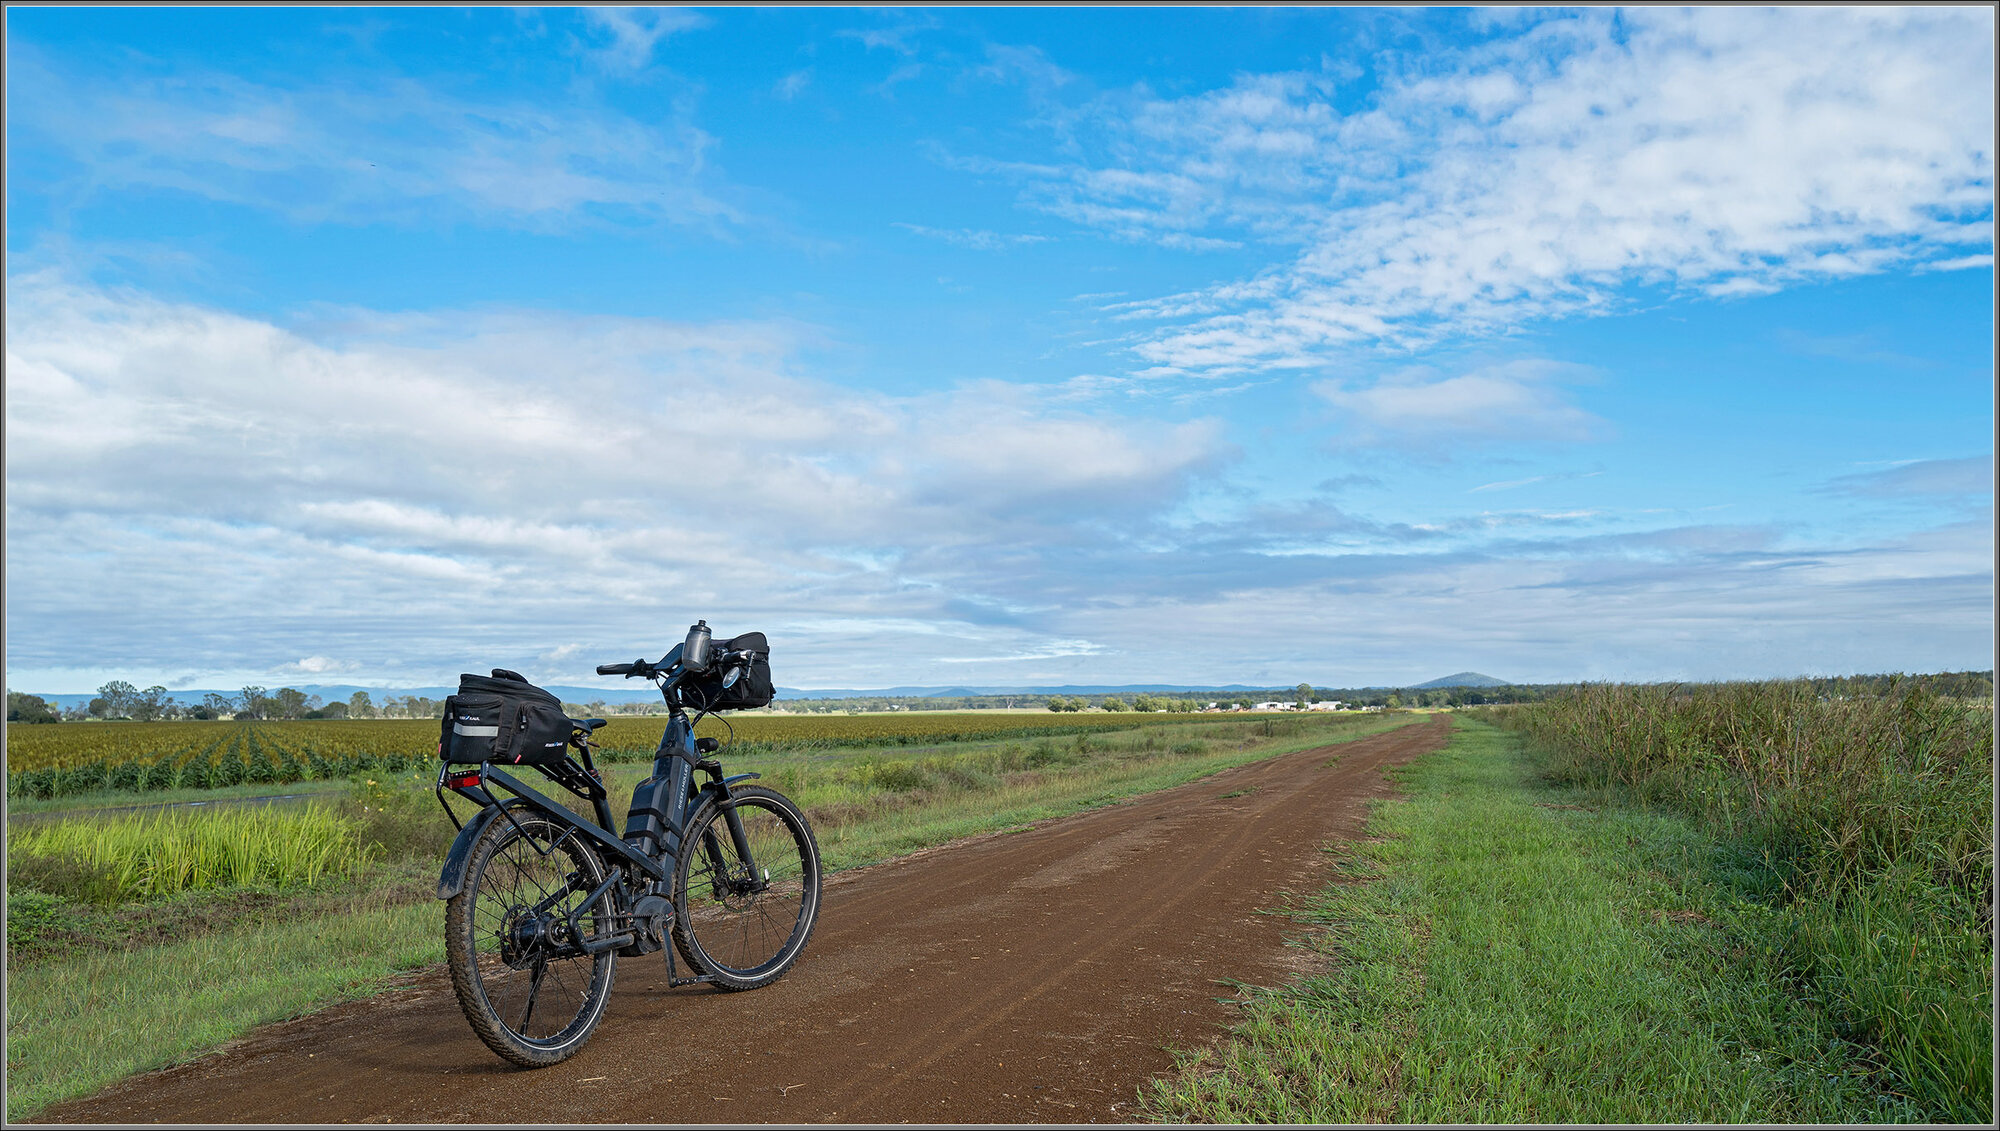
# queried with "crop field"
point(70, 759)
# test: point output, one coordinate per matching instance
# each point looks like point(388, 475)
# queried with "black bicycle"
point(543, 901)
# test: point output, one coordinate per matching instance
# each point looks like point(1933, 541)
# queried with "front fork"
point(664, 802)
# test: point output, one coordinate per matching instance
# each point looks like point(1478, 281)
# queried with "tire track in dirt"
point(1032, 977)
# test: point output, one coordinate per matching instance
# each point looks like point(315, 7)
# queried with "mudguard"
point(451, 880)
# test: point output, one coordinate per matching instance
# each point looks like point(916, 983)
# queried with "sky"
point(998, 346)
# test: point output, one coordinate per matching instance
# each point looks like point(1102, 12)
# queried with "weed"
point(29, 915)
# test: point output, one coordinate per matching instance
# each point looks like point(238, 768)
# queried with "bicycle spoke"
point(527, 995)
point(749, 917)
point(534, 987)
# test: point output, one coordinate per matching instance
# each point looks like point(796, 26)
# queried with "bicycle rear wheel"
point(529, 991)
point(743, 921)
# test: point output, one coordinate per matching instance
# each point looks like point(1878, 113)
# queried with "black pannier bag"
point(752, 689)
point(503, 719)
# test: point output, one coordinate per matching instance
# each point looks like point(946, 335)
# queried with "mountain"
point(1462, 679)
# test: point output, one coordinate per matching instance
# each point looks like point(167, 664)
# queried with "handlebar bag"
point(503, 719)
point(752, 689)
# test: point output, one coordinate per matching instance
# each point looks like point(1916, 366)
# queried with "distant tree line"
point(119, 700)
point(1963, 685)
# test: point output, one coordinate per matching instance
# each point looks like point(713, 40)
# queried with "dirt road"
point(1038, 976)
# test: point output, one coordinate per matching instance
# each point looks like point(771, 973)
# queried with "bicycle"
point(542, 902)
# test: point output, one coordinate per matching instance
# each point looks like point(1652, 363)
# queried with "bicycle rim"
point(745, 923)
point(529, 992)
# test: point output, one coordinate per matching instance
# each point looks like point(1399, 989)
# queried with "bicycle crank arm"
point(607, 942)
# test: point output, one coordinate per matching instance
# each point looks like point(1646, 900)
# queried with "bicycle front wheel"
point(531, 993)
point(743, 919)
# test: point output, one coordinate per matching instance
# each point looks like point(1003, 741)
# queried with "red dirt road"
point(1034, 977)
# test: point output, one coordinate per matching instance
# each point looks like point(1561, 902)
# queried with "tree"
point(30, 709)
point(217, 706)
point(150, 704)
point(291, 703)
point(1116, 704)
point(1304, 692)
point(120, 699)
point(359, 706)
point(254, 704)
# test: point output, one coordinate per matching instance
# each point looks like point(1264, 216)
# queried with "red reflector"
point(466, 782)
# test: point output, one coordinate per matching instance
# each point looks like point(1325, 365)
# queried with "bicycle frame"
point(661, 806)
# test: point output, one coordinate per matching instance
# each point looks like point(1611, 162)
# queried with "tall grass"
point(1873, 817)
point(1497, 954)
point(159, 855)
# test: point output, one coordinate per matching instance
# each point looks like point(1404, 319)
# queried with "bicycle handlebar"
point(650, 669)
point(645, 668)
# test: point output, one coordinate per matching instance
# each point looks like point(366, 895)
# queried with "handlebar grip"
point(614, 669)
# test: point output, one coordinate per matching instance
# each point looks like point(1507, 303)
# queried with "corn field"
point(70, 759)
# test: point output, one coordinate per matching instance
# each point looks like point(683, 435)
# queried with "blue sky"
point(998, 345)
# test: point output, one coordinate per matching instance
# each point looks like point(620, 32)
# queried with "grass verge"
point(75, 1026)
point(83, 1013)
point(1505, 951)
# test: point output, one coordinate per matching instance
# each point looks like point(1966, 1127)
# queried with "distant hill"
point(1462, 679)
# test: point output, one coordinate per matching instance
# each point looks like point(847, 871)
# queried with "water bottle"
point(694, 653)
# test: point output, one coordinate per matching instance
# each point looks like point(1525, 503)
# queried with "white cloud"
point(1519, 401)
point(636, 31)
point(397, 498)
point(1968, 477)
point(976, 238)
point(394, 151)
point(1546, 172)
point(788, 88)
point(227, 488)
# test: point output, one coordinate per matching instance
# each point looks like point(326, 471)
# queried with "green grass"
point(1870, 814)
point(1505, 951)
point(82, 1015)
point(78, 1025)
point(95, 803)
point(164, 853)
